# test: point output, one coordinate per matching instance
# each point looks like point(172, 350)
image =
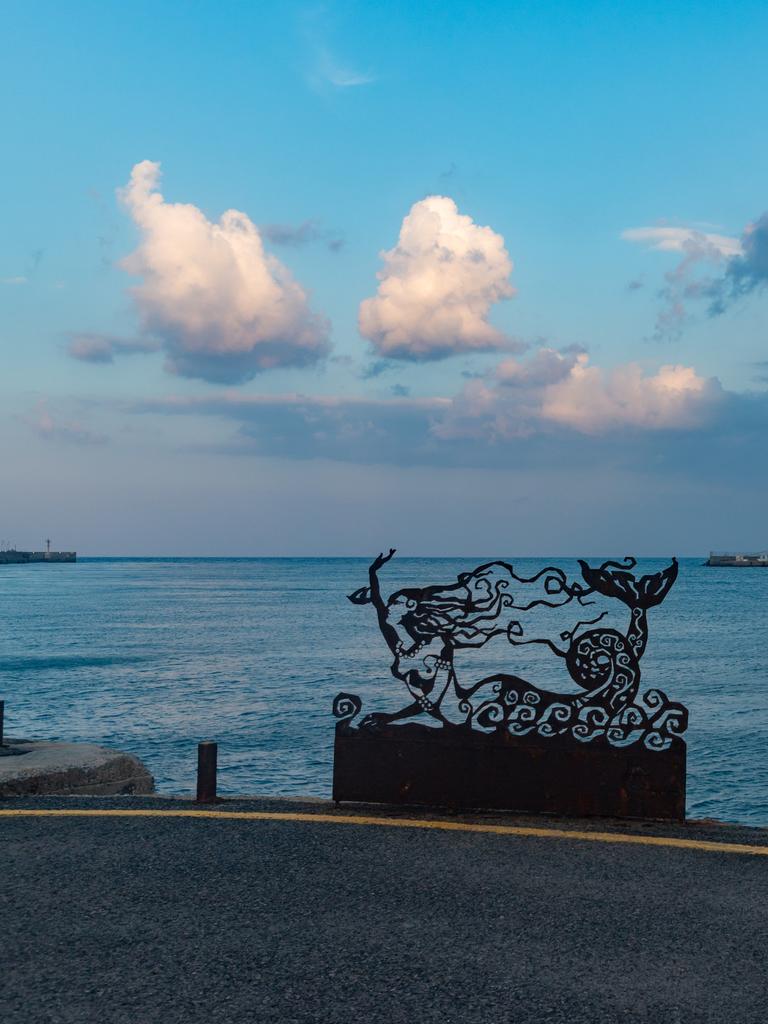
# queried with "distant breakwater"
point(23, 557)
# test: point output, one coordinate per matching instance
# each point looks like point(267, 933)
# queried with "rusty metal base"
point(458, 768)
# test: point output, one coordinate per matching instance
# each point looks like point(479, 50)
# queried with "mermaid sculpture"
point(424, 627)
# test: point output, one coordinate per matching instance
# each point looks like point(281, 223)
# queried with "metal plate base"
point(459, 768)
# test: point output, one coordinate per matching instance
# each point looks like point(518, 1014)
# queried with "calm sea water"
point(152, 655)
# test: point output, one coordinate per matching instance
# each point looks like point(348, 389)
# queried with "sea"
point(152, 655)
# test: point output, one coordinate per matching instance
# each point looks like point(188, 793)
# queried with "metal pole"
point(207, 754)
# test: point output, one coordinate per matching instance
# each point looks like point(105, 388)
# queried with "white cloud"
point(593, 400)
point(437, 286)
point(224, 308)
point(685, 240)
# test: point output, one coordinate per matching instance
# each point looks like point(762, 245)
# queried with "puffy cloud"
point(593, 400)
point(102, 348)
point(505, 403)
point(480, 412)
point(560, 389)
point(437, 286)
point(224, 308)
point(547, 366)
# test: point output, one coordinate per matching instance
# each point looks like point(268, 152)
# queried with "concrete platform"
point(72, 769)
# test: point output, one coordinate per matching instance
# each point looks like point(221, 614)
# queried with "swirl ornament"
point(525, 713)
point(490, 716)
point(346, 706)
point(556, 720)
point(668, 720)
point(591, 724)
point(652, 719)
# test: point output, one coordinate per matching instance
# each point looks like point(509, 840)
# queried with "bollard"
point(206, 772)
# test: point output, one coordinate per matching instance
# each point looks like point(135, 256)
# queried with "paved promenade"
point(155, 917)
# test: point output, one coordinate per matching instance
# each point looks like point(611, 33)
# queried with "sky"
point(323, 279)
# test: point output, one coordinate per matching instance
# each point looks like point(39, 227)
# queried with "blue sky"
point(496, 284)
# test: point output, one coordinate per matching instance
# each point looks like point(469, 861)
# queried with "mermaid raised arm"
point(372, 595)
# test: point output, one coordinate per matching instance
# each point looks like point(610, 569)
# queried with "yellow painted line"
point(444, 826)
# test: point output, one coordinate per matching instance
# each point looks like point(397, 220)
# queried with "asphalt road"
point(149, 920)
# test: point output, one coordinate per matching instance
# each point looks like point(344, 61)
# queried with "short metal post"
point(2, 715)
point(207, 754)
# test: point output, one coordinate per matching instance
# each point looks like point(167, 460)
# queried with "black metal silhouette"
point(424, 627)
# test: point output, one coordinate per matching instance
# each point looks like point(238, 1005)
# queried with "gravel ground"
point(145, 920)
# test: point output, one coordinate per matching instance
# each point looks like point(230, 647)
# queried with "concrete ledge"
point(71, 769)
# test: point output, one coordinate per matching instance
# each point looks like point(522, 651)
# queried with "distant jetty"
point(739, 561)
point(14, 557)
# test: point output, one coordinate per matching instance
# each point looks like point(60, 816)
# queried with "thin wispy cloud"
point(687, 240)
point(33, 263)
point(746, 272)
point(102, 348)
point(684, 282)
point(342, 76)
point(714, 268)
point(325, 69)
point(51, 426)
point(296, 235)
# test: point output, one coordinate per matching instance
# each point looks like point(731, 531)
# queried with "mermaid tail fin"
point(653, 589)
point(613, 580)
